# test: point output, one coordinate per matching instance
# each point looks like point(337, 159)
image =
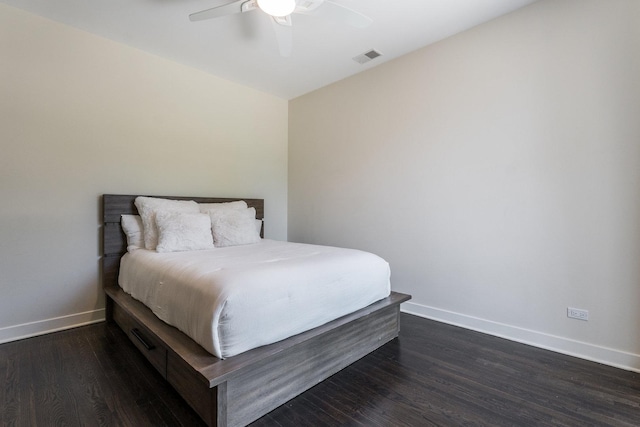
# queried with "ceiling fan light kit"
point(280, 14)
point(277, 8)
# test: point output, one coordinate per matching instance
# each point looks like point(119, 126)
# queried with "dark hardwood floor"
point(432, 375)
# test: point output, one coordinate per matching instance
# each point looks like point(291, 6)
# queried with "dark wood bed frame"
point(240, 389)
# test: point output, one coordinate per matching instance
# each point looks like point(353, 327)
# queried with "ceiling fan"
point(280, 12)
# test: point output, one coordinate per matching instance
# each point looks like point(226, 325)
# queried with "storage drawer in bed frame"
point(148, 343)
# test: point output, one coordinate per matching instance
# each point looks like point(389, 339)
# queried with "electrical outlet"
point(577, 313)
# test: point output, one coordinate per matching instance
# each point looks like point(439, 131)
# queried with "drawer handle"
point(136, 333)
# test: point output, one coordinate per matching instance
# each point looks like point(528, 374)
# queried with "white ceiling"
point(243, 48)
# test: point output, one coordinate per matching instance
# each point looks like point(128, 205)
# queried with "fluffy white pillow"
point(148, 207)
point(234, 227)
point(211, 207)
point(183, 232)
point(132, 226)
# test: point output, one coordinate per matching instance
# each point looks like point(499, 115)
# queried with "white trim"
point(583, 350)
point(41, 327)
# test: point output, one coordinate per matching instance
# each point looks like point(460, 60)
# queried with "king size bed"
point(231, 367)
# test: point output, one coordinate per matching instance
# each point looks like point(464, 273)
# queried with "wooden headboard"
point(114, 242)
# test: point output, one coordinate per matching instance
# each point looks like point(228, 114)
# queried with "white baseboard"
point(595, 353)
point(41, 327)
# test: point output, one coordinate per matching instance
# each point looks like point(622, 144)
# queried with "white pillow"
point(183, 232)
point(132, 226)
point(211, 207)
point(148, 207)
point(234, 227)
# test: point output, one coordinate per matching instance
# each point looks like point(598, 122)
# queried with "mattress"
point(230, 300)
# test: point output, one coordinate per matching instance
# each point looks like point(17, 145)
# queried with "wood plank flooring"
point(432, 375)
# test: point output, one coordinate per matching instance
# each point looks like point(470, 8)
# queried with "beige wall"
point(81, 116)
point(498, 171)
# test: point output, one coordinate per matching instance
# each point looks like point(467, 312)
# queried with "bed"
point(239, 389)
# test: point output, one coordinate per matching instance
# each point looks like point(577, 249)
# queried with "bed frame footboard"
point(241, 389)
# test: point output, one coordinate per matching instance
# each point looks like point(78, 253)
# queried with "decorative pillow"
point(258, 226)
point(183, 232)
point(234, 227)
point(132, 226)
point(148, 207)
point(211, 207)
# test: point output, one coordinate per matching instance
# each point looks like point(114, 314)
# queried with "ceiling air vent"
point(367, 56)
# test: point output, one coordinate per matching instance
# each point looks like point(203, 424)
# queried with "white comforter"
point(233, 299)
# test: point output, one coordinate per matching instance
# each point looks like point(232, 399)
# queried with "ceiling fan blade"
point(307, 6)
point(234, 7)
point(284, 34)
point(337, 12)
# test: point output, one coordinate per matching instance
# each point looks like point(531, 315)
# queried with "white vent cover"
point(367, 56)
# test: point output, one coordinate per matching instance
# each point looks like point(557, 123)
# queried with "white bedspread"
point(233, 299)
